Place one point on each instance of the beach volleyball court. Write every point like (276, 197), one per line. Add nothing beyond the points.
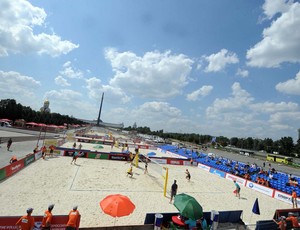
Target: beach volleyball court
(57, 181)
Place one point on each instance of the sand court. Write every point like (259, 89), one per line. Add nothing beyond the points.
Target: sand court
(57, 181)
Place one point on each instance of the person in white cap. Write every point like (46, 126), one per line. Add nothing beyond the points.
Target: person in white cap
(74, 217)
(281, 223)
(26, 222)
(47, 219)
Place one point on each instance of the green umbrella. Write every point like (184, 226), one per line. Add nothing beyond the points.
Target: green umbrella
(188, 206)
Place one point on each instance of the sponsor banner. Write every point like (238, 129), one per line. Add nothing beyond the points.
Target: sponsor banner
(174, 162)
(152, 148)
(58, 222)
(204, 167)
(14, 167)
(239, 180)
(188, 163)
(118, 157)
(38, 155)
(217, 172)
(29, 159)
(143, 146)
(159, 160)
(98, 155)
(70, 153)
(260, 188)
(2, 174)
(284, 197)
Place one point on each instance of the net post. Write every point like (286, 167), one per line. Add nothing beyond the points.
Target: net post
(166, 181)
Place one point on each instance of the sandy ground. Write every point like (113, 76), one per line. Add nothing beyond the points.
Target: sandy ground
(56, 181)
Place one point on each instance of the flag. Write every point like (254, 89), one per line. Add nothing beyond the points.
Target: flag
(255, 208)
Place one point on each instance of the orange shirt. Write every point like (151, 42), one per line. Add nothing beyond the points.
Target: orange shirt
(26, 222)
(294, 195)
(294, 221)
(73, 218)
(47, 219)
(282, 225)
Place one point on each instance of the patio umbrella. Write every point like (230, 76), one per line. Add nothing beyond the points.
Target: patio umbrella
(31, 123)
(117, 205)
(151, 154)
(188, 206)
(41, 125)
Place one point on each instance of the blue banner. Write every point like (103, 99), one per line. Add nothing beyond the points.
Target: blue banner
(217, 172)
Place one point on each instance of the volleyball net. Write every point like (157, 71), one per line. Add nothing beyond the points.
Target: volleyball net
(158, 172)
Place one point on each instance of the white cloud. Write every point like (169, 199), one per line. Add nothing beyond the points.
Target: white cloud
(291, 86)
(17, 21)
(280, 41)
(70, 72)
(147, 76)
(59, 80)
(218, 61)
(272, 7)
(271, 107)
(13, 83)
(72, 103)
(201, 92)
(67, 95)
(114, 95)
(241, 98)
(242, 72)
(240, 116)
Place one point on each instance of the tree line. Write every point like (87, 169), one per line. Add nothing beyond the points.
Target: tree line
(10, 109)
(284, 146)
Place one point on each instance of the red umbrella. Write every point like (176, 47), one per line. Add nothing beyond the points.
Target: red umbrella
(41, 125)
(117, 205)
(31, 123)
(5, 119)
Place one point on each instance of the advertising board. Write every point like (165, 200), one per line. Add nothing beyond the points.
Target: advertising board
(217, 172)
(260, 188)
(239, 180)
(204, 167)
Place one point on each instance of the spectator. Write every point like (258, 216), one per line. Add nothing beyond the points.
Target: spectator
(73, 221)
(13, 159)
(44, 150)
(294, 199)
(282, 223)
(292, 217)
(27, 221)
(47, 219)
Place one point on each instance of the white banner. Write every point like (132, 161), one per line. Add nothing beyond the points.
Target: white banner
(260, 188)
(204, 167)
(284, 197)
(236, 178)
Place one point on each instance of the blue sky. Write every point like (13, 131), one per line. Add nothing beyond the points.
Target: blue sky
(218, 67)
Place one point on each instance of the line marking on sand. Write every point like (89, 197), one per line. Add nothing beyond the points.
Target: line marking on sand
(74, 178)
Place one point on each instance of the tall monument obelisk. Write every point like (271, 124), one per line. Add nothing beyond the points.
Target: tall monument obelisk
(98, 120)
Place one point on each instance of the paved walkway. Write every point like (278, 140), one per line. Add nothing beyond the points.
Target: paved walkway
(24, 141)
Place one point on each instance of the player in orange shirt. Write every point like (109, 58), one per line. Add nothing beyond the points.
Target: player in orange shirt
(74, 217)
(26, 222)
(294, 199)
(46, 222)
